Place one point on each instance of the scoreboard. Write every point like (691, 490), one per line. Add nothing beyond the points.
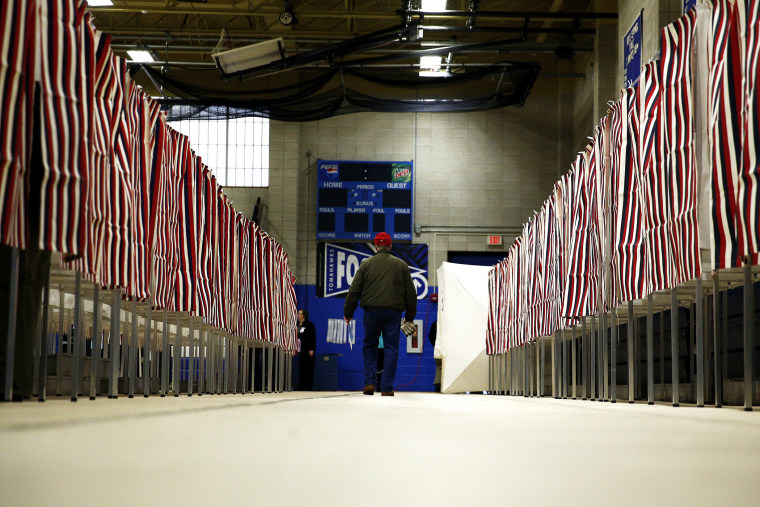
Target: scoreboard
(356, 200)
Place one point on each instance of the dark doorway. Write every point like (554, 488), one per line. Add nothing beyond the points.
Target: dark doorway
(476, 258)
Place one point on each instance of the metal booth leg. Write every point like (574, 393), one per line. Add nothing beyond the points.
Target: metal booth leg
(133, 345)
(592, 361)
(749, 336)
(202, 361)
(605, 356)
(613, 357)
(42, 371)
(584, 356)
(115, 337)
(191, 357)
(629, 339)
(700, 344)
(177, 358)
(96, 338)
(165, 356)
(650, 349)
(79, 338)
(716, 342)
(574, 362)
(10, 350)
(147, 351)
(674, 336)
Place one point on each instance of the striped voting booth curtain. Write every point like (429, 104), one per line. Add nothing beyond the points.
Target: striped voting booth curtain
(111, 193)
(627, 237)
(18, 26)
(672, 168)
(725, 133)
(165, 203)
(565, 211)
(749, 181)
(245, 299)
(510, 330)
(124, 197)
(655, 195)
(144, 137)
(205, 196)
(66, 107)
(546, 314)
(581, 285)
(677, 127)
(185, 227)
(494, 307)
(527, 290)
(599, 163)
(527, 268)
(620, 200)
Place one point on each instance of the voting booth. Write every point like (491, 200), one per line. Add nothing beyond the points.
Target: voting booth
(462, 321)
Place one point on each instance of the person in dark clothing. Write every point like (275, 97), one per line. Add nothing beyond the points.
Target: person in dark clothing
(308, 337)
(384, 285)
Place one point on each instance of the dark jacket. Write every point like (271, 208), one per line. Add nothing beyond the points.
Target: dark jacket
(382, 282)
(308, 336)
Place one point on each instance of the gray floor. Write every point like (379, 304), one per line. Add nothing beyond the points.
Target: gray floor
(349, 449)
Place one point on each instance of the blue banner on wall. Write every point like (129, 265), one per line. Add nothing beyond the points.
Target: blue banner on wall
(688, 5)
(632, 53)
(337, 265)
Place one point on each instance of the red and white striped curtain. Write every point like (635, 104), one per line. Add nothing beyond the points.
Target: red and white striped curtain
(18, 26)
(122, 195)
(672, 172)
(749, 181)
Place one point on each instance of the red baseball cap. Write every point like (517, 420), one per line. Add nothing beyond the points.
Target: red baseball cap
(383, 239)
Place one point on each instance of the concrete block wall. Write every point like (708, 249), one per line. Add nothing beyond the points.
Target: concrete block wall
(602, 80)
(281, 210)
(479, 169)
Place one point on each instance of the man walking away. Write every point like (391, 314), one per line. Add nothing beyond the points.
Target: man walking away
(384, 285)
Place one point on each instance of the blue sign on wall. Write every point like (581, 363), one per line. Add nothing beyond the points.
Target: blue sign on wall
(415, 372)
(337, 265)
(356, 200)
(632, 53)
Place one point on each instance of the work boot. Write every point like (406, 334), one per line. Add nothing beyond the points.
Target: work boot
(387, 393)
(369, 389)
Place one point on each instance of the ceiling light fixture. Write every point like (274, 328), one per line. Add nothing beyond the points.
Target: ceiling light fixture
(249, 57)
(100, 3)
(430, 62)
(433, 5)
(430, 66)
(140, 56)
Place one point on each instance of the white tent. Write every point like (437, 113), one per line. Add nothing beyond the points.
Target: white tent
(462, 321)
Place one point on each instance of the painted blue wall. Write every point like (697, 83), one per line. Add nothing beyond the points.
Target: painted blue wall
(415, 372)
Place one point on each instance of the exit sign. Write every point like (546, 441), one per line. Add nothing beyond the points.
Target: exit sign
(494, 240)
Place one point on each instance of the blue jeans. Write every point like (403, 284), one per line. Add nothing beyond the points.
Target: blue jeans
(387, 322)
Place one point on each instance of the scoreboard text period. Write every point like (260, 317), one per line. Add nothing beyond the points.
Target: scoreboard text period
(356, 200)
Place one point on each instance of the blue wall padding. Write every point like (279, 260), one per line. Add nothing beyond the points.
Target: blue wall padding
(417, 370)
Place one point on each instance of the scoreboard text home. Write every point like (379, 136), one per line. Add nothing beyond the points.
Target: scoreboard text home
(356, 200)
